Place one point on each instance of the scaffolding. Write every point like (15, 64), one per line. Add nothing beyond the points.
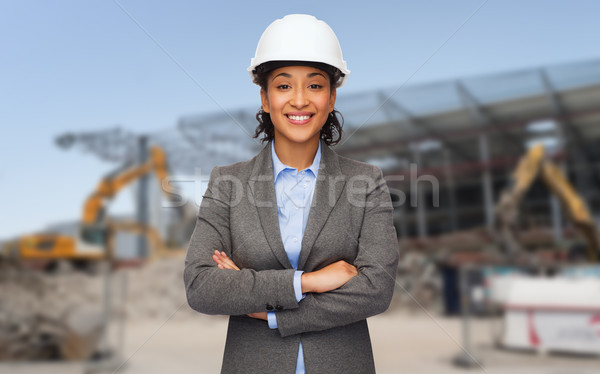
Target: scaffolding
(462, 138)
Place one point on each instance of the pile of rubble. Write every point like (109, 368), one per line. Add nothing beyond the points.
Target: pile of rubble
(61, 315)
(49, 316)
(156, 290)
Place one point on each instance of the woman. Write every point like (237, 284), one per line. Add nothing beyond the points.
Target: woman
(297, 244)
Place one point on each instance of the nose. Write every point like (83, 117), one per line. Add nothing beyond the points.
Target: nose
(300, 98)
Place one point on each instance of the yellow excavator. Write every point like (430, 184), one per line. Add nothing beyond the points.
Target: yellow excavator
(95, 226)
(96, 237)
(507, 209)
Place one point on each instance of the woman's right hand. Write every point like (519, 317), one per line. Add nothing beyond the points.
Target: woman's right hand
(329, 278)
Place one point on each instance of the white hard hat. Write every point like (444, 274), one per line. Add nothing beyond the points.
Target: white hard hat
(300, 38)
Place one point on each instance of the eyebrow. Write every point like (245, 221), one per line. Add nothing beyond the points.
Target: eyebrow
(286, 75)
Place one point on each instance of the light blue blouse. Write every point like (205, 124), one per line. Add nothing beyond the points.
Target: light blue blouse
(294, 191)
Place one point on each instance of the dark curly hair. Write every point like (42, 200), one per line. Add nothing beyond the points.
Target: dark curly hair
(331, 132)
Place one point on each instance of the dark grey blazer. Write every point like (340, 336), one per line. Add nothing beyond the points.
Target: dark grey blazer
(350, 219)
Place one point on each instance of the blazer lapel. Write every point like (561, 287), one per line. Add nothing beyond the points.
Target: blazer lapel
(328, 188)
(262, 186)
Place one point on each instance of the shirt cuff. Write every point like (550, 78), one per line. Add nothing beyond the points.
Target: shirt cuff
(298, 285)
(272, 320)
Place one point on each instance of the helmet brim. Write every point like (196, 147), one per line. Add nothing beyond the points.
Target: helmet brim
(334, 73)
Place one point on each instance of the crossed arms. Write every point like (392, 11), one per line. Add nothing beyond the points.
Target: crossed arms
(336, 295)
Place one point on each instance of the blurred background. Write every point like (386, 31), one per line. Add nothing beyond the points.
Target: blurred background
(483, 115)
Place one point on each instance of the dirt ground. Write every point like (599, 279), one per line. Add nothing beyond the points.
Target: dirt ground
(402, 343)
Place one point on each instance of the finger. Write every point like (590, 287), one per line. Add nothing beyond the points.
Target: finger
(228, 261)
(258, 315)
(221, 258)
(217, 259)
(224, 264)
(231, 264)
(224, 257)
(216, 256)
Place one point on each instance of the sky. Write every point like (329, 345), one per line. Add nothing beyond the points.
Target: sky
(76, 66)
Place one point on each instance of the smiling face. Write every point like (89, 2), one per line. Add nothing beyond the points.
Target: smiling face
(298, 99)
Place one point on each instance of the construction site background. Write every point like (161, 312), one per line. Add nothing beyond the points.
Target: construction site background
(489, 140)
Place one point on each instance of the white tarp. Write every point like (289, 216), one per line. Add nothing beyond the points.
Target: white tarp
(557, 314)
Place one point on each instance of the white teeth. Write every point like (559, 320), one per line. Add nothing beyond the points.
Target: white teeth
(298, 118)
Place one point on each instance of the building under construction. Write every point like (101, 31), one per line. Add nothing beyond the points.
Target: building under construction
(469, 134)
(446, 148)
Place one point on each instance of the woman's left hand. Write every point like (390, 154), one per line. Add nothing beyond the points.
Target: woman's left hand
(224, 262)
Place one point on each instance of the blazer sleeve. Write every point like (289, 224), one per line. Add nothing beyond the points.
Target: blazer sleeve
(211, 290)
(366, 294)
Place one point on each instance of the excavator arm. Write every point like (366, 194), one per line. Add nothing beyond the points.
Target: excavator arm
(575, 207)
(109, 186)
(507, 209)
(97, 232)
